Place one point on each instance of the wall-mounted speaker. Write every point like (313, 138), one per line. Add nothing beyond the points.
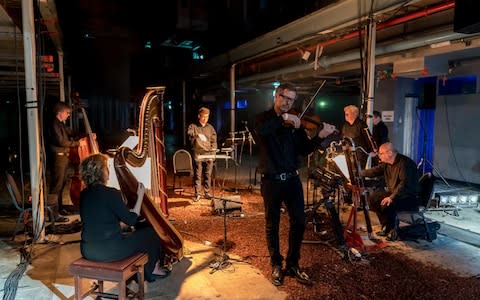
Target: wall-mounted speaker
(466, 18)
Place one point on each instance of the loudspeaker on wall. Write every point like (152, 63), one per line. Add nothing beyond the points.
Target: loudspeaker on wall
(466, 17)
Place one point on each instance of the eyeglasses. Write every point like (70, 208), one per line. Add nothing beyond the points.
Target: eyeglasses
(287, 98)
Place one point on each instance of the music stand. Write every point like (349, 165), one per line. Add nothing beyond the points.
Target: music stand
(223, 262)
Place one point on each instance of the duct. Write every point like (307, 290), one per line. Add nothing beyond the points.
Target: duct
(396, 21)
(345, 12)
(325, 62)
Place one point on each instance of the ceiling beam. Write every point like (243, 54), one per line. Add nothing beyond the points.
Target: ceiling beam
(338, 14)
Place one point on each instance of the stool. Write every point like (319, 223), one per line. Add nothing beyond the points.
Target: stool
(117, 271)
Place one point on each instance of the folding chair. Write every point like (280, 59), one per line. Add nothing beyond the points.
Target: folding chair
(182, 166)
(25, 211)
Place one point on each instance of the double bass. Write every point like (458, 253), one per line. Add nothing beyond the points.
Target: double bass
(88, 145)
(150, 143)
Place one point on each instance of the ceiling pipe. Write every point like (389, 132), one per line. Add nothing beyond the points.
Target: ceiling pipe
(396, 21)
(346, 13)
(325, 62)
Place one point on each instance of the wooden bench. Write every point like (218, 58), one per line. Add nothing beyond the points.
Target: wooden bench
(117, 271)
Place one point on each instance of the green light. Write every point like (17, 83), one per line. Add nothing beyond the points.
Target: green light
(322, 104)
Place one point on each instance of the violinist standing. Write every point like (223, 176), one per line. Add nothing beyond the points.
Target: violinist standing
(282, 141)
(60, 139)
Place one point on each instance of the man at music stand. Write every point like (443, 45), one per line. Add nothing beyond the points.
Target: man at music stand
(203, 139)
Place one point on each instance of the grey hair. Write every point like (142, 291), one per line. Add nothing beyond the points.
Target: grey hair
(352, 108)
(92, 169)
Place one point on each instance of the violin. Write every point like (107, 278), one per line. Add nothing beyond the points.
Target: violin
(309, 122)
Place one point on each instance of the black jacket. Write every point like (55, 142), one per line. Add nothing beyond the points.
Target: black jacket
(60, 137)
(401, 177)
(281, 146)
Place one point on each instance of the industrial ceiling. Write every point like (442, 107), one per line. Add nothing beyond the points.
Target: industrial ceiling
(413, 38)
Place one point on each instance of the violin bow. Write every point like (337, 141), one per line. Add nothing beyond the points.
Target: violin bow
(312, 99)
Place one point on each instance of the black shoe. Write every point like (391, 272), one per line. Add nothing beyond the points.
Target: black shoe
(196, 198)
(301, 276)
(61, 219)
(65, 212)
(277, 275)
(208, 196)
(384, 232)
(392, 235)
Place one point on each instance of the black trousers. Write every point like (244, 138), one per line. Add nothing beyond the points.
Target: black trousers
(58, 177)
(290, 192)
(387, 214)
(203, 175)
(143, 240)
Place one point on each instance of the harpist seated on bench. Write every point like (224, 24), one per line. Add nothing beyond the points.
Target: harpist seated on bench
(102, 211)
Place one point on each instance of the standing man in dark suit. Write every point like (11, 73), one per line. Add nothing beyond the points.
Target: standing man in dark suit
(203, 139)
(354, 128)
(282, 141)
(380, 130)
(60, 139)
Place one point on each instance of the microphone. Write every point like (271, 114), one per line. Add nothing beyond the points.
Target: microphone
(420, 163)
(245, 125)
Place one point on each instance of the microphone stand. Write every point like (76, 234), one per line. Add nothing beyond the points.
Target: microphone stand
(250, 142)
(223, 261)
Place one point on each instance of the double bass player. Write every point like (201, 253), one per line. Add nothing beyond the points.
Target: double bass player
(60, 140)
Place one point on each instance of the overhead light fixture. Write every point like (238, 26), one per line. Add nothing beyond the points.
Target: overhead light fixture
(439, 45)
(306, 55)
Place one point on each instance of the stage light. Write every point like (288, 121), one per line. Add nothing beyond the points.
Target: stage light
(443, 200)
(473, 199)
(453, 199)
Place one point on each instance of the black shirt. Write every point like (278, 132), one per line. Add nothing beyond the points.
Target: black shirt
(356, 131)
(401, 177)
(280, 146)
(60, 137)
(101, 210)
(380, 133)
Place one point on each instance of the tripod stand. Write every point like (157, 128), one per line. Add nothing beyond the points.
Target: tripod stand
(328, 201)
(223, 262)
(423, 160)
